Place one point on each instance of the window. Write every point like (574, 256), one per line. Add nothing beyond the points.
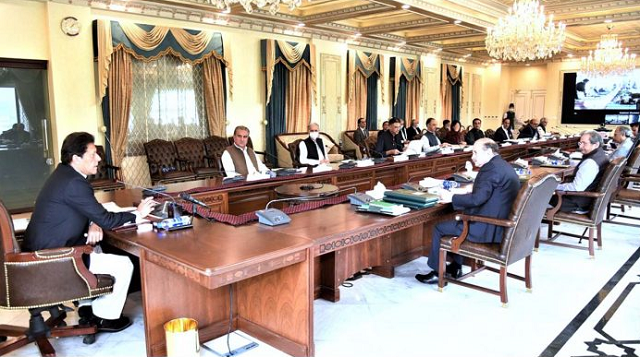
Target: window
(167, 103)
(8, 110)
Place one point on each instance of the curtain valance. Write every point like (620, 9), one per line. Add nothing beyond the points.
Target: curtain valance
(453, 73)
(291, 55)
(409, 68)
(366, 63)
(148, 43)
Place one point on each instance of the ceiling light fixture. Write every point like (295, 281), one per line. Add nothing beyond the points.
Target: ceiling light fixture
(609, 58)
(274, 5)
(301, 24)
(525, 34)
(457, 22)
(406, 6)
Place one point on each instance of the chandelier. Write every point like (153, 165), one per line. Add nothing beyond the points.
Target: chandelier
(248, 4)
(525, 34)
(609, 58)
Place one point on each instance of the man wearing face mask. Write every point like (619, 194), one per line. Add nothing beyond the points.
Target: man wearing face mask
(312, 148)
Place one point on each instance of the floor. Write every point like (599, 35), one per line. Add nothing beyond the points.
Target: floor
(578, 307)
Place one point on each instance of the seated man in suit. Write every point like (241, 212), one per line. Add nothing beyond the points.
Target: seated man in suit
(67, 214)
(530, 130)
(542, 127)
(385, 127)
(413, 130)
(403, 131)
(239, 159)
(494, 191)
(361, 134)
(622, 137)
(390, 141)
(587, 174)
(503, 133)
(312, 151)
(475, 133)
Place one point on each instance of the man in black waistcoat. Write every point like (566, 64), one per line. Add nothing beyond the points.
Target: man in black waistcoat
(587, 174)
(67, 214)
(475, 133)
(413, 130)
(494, 191)
(312, 151)
(390, 141)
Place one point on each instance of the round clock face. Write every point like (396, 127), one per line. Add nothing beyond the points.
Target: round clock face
(70, 26)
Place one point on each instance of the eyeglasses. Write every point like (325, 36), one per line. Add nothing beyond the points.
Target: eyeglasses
(313, 131)
(580, 143)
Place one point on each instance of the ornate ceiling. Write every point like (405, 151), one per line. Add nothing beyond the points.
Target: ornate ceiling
(454, 28)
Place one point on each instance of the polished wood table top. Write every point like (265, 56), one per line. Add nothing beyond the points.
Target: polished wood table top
(306, 190)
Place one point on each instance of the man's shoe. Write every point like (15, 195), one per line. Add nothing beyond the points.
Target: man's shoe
(116, 325)
(454, 270)
(427, 278)
(85, 314)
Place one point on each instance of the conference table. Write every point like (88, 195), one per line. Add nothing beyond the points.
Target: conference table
(267, 277)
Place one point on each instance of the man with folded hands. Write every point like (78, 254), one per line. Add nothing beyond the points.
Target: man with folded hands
(67, 214)
(587, 174)
(494, 191)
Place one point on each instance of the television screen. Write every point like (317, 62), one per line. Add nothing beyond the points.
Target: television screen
(601, 99)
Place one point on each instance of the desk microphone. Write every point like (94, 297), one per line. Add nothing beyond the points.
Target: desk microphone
(187, 197)
(164, 212)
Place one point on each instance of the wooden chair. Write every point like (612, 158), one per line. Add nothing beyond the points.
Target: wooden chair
(521, 229)
(591, 220)
(626, 194)
(192, 152)
(108, 177)
(42, 281)
(164, 164)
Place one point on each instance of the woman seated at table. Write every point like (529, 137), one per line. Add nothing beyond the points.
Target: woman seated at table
(455, 136)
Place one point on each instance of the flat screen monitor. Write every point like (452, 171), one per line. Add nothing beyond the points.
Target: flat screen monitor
(601, 99)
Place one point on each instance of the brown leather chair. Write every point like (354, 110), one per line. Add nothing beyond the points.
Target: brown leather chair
(164, 164)
(592, 219)
(626, 194)
(108, 176)
(521, 229)
(192, 152)
(489, 133)
(42, 281)
(215, 146)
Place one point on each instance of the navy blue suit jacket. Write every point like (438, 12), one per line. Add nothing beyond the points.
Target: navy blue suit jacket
(64, 207)
(494, 190)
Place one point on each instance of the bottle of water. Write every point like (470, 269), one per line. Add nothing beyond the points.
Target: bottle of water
(448, 185)
(175, 222)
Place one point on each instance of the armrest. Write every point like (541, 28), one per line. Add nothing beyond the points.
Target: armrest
(631, 178)
(483, 219)
(56, 254)
(580, 194)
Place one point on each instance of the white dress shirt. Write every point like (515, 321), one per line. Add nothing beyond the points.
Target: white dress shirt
(426, 147)
(230, 168)
(303, 154)
(587, 172)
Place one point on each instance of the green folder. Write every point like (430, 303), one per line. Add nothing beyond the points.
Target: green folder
(405, 195)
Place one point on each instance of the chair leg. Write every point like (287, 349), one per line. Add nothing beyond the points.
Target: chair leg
(550, 230)
(503, 286)
(537, 243)
(527, 272)
(608, 211)
(591, 252)
(599, 232)
(441, 269)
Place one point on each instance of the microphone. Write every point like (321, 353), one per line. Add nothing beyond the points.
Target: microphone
(164, 211)
(187, 197)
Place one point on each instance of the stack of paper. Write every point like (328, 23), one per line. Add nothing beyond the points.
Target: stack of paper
(322, 168)
(364, 163)
(383, 207)
(410, 198)
(258, 176)
(401, 157)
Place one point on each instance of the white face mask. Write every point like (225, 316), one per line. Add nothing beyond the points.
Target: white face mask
(314, 135)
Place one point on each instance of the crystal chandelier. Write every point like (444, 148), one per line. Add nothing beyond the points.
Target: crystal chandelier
(609, 58)
(248, 4)
(525, 34)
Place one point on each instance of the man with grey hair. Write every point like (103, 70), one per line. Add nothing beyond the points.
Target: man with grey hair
(622, 137)
(311, 149)
(587, 174)
(494, 191)
(239, 159)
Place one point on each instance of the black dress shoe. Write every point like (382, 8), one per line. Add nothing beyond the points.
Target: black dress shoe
(85, 313)
(427, 278)
(454, 270)
(116, 325)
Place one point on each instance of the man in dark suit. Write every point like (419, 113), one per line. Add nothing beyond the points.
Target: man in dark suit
(361, 134)
(67, 214)
(390, 141)
(475, 133)
(385, 127)
(530, 130)
(413, 130)
(494, 190)
(503, 133)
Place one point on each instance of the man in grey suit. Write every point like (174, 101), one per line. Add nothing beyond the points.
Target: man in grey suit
(361, 134)
(494, 190)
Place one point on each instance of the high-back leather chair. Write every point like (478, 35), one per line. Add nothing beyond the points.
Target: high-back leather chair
(164, 164)
(191, 151)
(519, 237)
(41, 281)
(591, 220)
(626, 194)
(489, 133)
(107, 178)
(215, 146)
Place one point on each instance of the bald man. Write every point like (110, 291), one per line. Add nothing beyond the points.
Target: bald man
(530, 130)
